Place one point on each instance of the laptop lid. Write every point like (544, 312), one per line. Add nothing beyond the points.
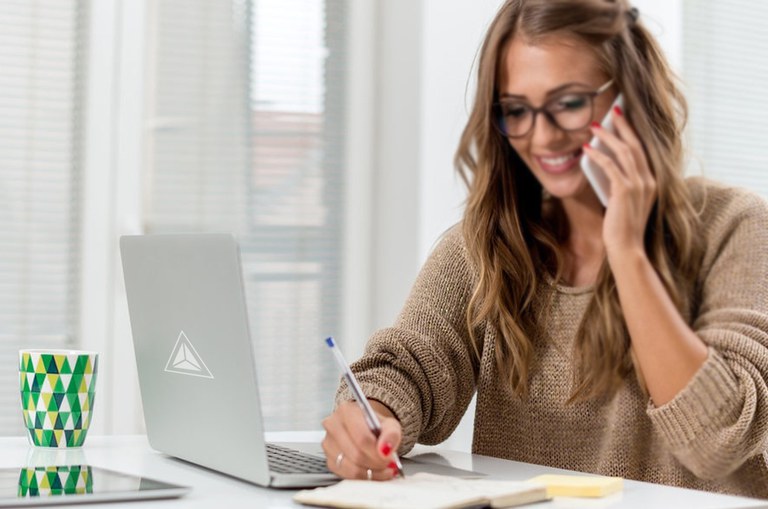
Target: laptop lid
(194, 355)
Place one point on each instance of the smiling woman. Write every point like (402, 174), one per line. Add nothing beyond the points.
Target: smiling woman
(628, 339)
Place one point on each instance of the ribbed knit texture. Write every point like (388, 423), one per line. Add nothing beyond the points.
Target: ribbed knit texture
(711, 436)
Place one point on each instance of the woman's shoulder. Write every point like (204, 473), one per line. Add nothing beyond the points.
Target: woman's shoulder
(731, 220)
(454, 235)
(720, 205)
(450, 248)
(451, 241)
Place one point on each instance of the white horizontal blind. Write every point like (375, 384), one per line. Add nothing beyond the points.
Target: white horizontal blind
(725, 68)
(246, 136)
(41, 55)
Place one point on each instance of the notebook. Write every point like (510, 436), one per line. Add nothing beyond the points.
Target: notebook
(424, 491)
(195, 360)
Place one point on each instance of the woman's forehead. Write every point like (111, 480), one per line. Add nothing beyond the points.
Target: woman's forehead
(531, 69)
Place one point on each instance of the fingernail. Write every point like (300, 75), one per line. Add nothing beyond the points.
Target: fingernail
(595, 125)
(392, 465)
(587, 145)
(617, 109)
(386, 448)
(394, 471)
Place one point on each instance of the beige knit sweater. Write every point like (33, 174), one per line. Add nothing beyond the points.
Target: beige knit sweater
(712, 435)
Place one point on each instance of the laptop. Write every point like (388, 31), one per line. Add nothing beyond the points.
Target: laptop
(195, 360)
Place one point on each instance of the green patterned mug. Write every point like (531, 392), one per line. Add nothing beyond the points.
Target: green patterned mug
(57, 393)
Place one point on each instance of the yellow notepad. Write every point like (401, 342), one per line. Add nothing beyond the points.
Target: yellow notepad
(424, 491)
(579, 486)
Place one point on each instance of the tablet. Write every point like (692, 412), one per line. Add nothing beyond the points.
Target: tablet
(78, 484)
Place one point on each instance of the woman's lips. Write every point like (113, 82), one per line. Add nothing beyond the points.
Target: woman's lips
(559, 163)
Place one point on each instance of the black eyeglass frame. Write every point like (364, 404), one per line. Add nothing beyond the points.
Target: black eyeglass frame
(500, 125)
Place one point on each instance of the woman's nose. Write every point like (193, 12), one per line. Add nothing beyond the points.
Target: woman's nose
(545, 131)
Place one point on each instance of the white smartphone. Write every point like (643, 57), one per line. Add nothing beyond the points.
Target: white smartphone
(594, 173)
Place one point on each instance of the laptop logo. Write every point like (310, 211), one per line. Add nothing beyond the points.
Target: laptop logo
(185, 360)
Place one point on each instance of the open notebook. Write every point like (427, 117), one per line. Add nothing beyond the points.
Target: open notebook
(424, 491)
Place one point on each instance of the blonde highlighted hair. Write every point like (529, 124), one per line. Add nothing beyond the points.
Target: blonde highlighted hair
(515, 246)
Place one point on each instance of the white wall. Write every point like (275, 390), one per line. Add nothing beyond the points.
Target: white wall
(114, 108)
(398, 114)
(664, 18)
(452, 33)
(424, 58)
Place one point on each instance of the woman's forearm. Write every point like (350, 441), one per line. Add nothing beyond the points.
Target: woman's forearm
(668, 351)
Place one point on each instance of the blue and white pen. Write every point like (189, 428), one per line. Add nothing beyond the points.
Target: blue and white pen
(357, 392)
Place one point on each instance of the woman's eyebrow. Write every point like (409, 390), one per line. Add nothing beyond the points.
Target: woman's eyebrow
(549, 93)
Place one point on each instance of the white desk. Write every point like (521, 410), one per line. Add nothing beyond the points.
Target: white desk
(132, 454)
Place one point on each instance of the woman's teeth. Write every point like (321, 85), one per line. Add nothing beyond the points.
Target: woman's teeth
(555, 161)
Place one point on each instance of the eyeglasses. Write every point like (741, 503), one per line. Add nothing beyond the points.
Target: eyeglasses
(570, 111)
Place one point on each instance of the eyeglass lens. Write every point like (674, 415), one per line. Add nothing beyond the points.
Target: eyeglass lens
(569, 112)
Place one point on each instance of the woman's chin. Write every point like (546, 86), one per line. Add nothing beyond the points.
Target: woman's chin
(577, 189)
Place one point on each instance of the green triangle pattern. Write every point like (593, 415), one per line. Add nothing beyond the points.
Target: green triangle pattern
(55, 480)
(82, 364)
(57, 397)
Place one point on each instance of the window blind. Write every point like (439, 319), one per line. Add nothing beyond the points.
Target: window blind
(40, 117)
(726, 70)
(246, 135)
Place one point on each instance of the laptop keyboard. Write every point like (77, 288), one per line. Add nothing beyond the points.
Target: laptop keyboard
(290, 461)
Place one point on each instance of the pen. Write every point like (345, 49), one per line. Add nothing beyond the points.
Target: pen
(370, 416)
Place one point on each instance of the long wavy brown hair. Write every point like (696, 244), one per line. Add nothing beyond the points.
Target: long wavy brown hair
(515, 246)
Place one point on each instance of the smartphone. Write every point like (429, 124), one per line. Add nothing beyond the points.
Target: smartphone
(594, 173)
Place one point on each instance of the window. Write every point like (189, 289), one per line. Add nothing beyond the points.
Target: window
(40, 107)
(246, 136)
(726, 72)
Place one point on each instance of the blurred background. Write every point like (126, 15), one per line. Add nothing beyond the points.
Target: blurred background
(320, 132)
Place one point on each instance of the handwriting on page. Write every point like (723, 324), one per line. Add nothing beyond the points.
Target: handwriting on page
(421, 491)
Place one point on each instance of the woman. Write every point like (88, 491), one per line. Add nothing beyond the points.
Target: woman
(627, 340)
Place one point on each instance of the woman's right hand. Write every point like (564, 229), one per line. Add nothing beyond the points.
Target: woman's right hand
(352, 450)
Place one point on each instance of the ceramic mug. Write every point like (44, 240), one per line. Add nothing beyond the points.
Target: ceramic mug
(57, 394)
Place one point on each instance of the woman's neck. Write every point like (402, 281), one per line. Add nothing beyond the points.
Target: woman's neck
(583, 247)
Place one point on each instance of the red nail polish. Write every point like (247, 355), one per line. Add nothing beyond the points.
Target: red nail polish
(587, 145)
(386, 448)
(595, 125)
(392, 466)
(617, 109)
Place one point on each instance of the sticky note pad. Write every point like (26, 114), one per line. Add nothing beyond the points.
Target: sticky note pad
(579, 486)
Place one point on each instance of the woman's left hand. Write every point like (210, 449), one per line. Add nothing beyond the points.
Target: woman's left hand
(633, 187)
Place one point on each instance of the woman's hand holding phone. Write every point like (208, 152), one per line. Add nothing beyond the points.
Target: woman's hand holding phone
(594, 173)
(631, 182)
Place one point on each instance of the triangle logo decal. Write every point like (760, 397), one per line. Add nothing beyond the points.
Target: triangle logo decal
(185, 360)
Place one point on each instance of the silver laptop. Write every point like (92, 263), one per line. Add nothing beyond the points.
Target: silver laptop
(195, 360)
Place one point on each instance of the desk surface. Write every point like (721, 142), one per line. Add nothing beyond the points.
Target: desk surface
(132, 454)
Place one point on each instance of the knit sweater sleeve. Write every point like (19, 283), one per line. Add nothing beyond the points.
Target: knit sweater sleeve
(423, 367)
(720, 419)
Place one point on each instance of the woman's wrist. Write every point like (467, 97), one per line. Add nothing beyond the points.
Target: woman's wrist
(381, 409)
(627, 259)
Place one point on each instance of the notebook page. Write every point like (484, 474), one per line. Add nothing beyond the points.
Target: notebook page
(421, 491)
